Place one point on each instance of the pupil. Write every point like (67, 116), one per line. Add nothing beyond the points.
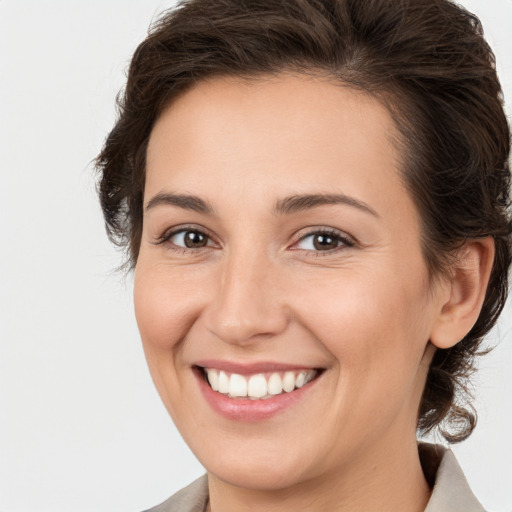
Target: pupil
(323, 242)
(194, 240)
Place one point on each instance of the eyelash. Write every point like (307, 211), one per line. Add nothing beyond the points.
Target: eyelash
(165, 238)
(343, 240)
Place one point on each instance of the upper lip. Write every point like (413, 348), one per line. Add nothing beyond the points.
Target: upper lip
(248, 368)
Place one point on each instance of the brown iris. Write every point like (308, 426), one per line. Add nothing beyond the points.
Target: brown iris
(195, 240)
(324, 242)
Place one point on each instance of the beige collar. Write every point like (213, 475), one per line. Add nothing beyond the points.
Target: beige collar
(451, 492)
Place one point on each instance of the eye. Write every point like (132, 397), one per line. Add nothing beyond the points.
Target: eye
(188, 239)
(323, 241)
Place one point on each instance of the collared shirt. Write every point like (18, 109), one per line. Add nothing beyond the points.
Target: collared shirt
(450, 490)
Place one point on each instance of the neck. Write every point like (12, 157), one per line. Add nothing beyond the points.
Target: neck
(385, 477)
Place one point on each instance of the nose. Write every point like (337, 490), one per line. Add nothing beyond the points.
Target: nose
(248, 304)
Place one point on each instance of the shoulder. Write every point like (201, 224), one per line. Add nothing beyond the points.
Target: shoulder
(192, 498)
(451, 491)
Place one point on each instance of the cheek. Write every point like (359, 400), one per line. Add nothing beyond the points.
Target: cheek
(165, 306)
(374, 324)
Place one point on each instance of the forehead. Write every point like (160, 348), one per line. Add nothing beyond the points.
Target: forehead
(290, 131)
(285, 105)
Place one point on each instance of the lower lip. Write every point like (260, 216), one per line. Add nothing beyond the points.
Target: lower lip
(246, 410)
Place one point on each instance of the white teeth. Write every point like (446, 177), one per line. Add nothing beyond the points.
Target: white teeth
(257, 386)
(213, 379)
(237, 385)
(310, 375)
(275, 384)
(289, 381)
(223, 383)
(300, 380)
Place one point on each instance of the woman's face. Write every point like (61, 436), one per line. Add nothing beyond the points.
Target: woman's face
(280, 245)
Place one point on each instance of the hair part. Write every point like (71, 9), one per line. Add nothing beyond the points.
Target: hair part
(425, 60)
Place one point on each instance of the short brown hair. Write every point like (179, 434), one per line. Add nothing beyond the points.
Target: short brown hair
(426, 60)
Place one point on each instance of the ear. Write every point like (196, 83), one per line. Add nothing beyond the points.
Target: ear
(463, 293)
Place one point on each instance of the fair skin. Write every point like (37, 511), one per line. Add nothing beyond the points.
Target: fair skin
(234, 271)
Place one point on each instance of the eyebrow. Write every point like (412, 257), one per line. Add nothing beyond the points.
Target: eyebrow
(297, 203)
(286, 206)
(185, 201)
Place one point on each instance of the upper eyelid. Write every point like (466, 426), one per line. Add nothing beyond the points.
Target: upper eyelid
(170, 232)
(324, 230)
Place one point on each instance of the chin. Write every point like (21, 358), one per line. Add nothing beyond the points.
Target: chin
(257, 475)
(255, 462)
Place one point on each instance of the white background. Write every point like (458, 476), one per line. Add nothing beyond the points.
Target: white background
(81, 427)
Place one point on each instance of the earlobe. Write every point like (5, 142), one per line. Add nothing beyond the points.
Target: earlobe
(462, 301)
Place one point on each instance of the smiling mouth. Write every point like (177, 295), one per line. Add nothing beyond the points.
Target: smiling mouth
(257, 386)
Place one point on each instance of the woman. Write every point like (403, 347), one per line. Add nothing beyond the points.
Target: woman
(314, 196)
